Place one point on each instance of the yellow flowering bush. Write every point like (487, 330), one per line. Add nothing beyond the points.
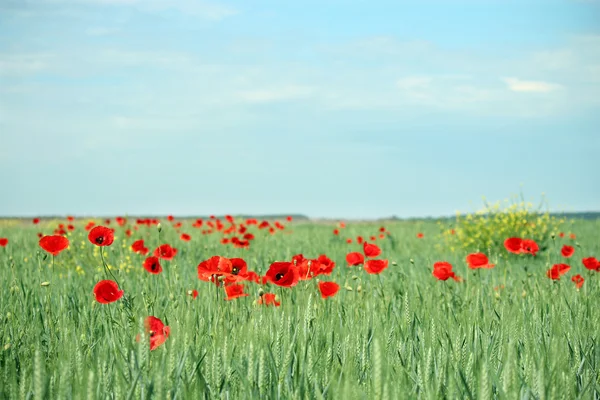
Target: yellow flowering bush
(487, 228)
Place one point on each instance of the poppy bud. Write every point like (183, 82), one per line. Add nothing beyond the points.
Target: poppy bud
(553, 235)
(159, 227)
(220, 278)
(354, 277)
(524, 293)
(45, 283)
(412, 261)
(8, 315)
(7, 346)
(394, 263)
(348, 288)
(261, 292)
(359, 289)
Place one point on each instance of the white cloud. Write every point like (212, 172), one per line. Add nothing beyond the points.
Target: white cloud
(196, 8)
(276, 94)
(101, 31)
(414, 82)
(24, 63)
(518, 85)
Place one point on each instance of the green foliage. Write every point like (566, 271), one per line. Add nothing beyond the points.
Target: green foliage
(489, 227)
(404, 336)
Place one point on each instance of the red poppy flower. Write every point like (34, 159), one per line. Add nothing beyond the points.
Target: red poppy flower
(177, 225)
(336, 232)
(478, 260)
(442, 270)
(302, 266)
(121, 221)
(349, 241)
(529, 246)
(235, 291)
(420, 235)
(557, 271)
(193, 293)
(572, 236)
(101, 236)
(373, 238)
(375, 266)
(170, 218)
(578, 280)
(355, 259)
(165, 251)
(40, 235)
(157, 331)
(359, 239)
(513, 245)
(185, 237)
(107, 292)
(328, 289)
(70, 218)
(107, 221)
(567, 251)
(239, 272)
(238, 266)
(138, 247)
(282, 274)
(264, 224)
(591, 263)
(3, 242)
(289, 219)
(36, 221)
(382, 229)
(215, 266)
(89, 225)
(152, 265)
(269, 299)
(562, 235)
(382, 236)
(54, 244)
(371, 250)
(322, 266)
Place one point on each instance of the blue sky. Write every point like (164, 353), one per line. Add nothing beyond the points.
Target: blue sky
(344, 109)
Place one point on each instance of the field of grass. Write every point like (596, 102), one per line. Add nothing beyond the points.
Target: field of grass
(507, 332)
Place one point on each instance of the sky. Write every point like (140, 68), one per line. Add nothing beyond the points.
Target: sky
(328, 108)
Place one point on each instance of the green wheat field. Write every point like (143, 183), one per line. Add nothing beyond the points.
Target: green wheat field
(502, 333)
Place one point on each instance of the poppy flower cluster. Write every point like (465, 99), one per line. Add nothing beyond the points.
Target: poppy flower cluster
(370, 266)
(228, 271)
(557, 271)
(521, 246)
